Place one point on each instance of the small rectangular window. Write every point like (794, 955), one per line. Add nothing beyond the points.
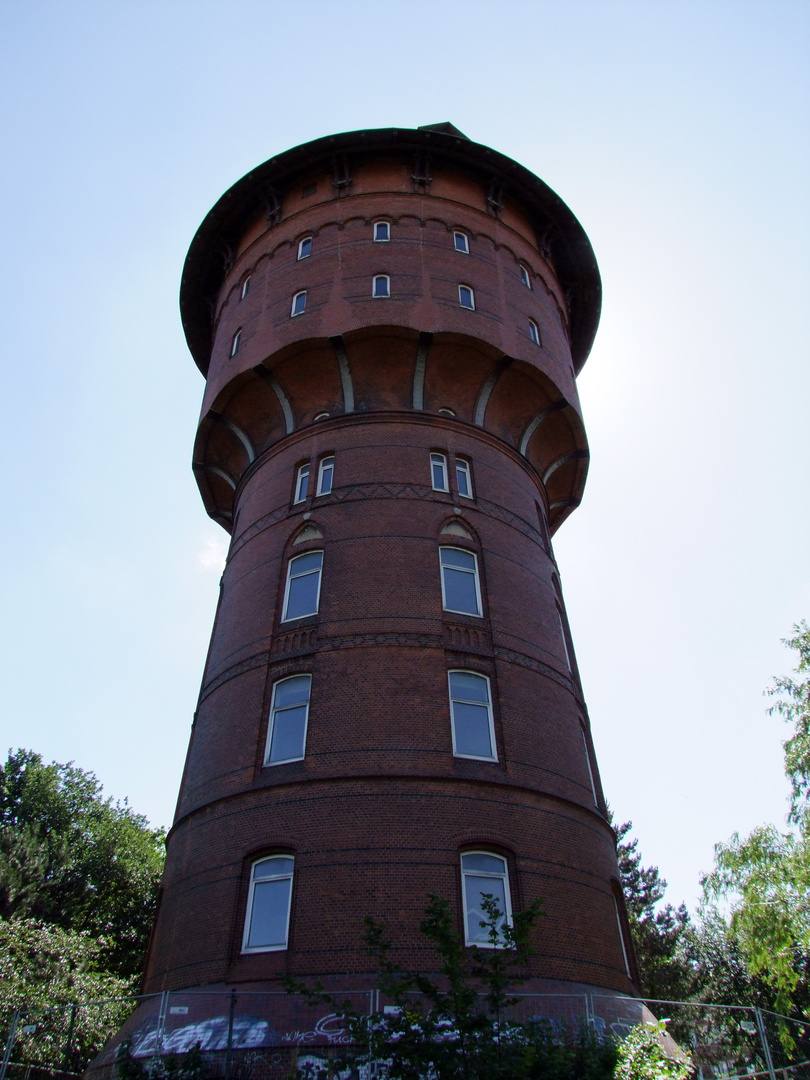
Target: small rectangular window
(382, 286)
(237, 337)
(305, 247)
(382, 230)
(245, 288)
(299, 303)
(267, 919)
(483, 874)
(301, 483)
(534, 332)
(461, 243)
(303, 591)
(438, 472)
(466, 297)
(460, 589)
(471, 716)
(463, 478)
(308, 189)
(524, 276)
(326, 471)
(287, 727)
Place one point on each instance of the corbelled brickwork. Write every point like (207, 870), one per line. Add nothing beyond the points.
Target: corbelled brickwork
(382, 802)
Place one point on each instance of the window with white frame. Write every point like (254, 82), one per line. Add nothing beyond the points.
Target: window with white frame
(303, 591)
(525, 276)
(588, 762)
(463, 478)
(245, 288)
(381, 286)
(484, 875)
(299, 303)
(301, 483)
(534, 331)
(625, 957)
(267, 920)
(237, 337)
(305, 247)
(461, 242)
(564, 637)
(460, 589)
(471, 716)
(382, 230)
(326, 472)
(287, 728)
(438, 472)
(466, 297)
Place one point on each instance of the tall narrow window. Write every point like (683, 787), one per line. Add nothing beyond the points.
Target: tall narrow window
(267, 919)
(438, 472)
(564, 637)
(303, 591)
(245, 288)
(287, 729)
(461, 243)
(484, 874)
(621, 938)
(326, 471)
(590, 769)
(471, 716)
(382, 230)
(299, 303)
(237, 337)
(301, 483)
(463, 478)
(305, 247)
(466, 297)
(534, 331)
(381, 286)
(460, 589)
(524, 276)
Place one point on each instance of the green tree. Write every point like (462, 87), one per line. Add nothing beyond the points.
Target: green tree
(74, 859)
(764, 879)
(642, 1056)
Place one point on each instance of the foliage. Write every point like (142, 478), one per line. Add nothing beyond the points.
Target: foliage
(190, 1066)
(72, 858)
(642, 1057)
(457, 1027)
(765, 877)
(43, 969)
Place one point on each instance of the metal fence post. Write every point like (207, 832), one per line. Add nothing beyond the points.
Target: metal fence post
(763, 1038)
(74, 1008)
(161, 1025)
(230, 1036)
(9, 1043)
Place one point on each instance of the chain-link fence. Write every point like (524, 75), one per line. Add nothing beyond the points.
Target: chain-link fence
(266, 1036)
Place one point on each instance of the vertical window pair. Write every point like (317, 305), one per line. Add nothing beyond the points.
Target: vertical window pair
(326, 473)
(439, 475)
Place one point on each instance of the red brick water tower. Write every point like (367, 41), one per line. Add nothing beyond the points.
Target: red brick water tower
(390, 323)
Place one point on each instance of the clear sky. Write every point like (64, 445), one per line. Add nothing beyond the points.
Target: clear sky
(677, 133)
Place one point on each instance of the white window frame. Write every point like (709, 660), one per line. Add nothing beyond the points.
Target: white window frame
(381, 296)
(464, 247)
(274, 710)
(301, 253)
(452, 547)
(301, 483)
(463, 468)
(439, 461)
(525, 276)
(326, 466)
(382, 239)
(235, 341)
(468, 701)
(564, 636)
(495, 877)
(621, 938)
(293, 312)
(471, 291)
(286, 876)
(590, 767)
(291, 576)
(245, 288)
(534, 331)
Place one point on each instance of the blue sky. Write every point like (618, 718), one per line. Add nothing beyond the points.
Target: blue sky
(677, 133)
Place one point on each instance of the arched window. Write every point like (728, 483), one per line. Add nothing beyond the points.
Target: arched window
(287, 727)
(484, 874)
(245, 288)
(525, 276)
(381, 286)
(460, 589)
(461, 242)
(382, 231)
(466, 297)
(303, 590)
(534, 331)
(438, 472)
(464, 478)
(299, 303)
(267, 919)
(305, 247)
(471, 716)
(237, 337)
(326, 473)
(301, 483)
